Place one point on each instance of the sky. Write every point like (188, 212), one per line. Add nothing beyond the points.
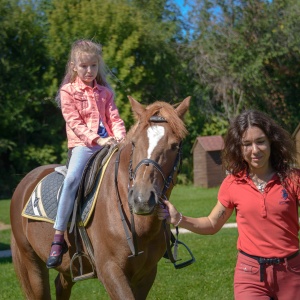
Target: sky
(180, 3)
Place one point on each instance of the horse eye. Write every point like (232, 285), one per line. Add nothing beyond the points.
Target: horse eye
(175, 146)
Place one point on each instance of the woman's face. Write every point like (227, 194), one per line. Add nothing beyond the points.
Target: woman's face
(256, 149)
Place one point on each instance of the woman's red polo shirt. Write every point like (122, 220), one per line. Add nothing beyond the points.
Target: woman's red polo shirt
(267, 222)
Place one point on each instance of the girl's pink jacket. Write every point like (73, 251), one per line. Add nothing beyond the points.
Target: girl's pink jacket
(83, 107)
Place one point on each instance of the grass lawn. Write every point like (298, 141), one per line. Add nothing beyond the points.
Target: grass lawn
(209, 278)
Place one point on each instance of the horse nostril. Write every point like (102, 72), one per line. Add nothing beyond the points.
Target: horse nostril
(130, 193)
(152, 199)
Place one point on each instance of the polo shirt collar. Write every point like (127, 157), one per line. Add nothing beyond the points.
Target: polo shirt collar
(243, 176)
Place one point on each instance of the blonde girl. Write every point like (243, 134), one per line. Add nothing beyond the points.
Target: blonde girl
(92, 121)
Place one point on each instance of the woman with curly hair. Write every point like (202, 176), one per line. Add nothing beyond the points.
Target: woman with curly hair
(263, 187)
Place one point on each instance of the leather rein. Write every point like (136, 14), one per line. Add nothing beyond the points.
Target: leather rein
(132, 239)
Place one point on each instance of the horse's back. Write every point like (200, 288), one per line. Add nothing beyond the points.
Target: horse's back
(26, 186)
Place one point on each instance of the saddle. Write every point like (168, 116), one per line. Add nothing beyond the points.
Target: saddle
(91, 171)
(92, 168)
(89, 178)
(43, 202)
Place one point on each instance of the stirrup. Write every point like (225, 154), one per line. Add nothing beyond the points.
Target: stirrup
(185, 263)
(81, 276)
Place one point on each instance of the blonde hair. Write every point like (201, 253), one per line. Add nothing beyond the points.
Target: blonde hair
(79, 47)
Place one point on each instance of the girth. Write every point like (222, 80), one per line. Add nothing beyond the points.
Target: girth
(268, 261)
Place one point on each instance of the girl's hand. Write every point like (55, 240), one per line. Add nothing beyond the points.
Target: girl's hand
(169, 212)
(106, 141)
(119, 140)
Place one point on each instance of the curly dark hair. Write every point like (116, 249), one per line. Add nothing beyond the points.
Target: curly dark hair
(283, 148)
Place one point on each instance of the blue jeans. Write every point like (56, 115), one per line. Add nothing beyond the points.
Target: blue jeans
(79, 158)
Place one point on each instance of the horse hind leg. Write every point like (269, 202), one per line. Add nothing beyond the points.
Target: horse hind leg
(33, 277)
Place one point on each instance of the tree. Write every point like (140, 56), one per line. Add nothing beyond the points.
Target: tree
(138, 39)
(140, 42)
(246, 53)
(27, 118)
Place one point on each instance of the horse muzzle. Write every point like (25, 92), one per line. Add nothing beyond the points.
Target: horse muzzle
(143, 200)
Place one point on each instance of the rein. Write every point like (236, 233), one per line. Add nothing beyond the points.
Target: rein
(132, 242)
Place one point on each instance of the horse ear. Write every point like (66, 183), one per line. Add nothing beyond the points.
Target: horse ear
(137, 107)
(182, 108)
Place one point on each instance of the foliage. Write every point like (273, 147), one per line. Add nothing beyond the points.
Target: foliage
(247, 55)
(36, 39)
(27, 119)
(228, 55)
(136, 38)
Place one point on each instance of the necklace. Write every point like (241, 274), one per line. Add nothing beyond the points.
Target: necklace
(259, 184)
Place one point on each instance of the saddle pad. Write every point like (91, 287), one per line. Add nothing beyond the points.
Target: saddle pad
(43, 202)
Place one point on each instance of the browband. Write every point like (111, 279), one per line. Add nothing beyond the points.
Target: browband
(157, 119)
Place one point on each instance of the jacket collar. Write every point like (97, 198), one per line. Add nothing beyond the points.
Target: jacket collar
(80, 85)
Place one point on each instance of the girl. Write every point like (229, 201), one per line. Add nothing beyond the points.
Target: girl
(264, 190)
(92, 121)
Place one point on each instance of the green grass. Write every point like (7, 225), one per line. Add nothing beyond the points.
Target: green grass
(194, 201)
(4, 239)
(4, 211)
(209, 278)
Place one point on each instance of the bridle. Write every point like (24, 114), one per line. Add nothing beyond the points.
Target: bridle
(132, 239)
(147, 162)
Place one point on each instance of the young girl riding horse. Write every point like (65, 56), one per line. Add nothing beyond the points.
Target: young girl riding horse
(92, 121)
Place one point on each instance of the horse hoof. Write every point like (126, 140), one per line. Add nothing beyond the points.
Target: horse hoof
(55, 261)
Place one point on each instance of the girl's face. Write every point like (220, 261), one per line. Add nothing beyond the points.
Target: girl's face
(86, 67)
(256, 150)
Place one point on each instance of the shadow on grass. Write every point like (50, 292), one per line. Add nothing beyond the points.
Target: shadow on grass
(5, 260)
(4, 246)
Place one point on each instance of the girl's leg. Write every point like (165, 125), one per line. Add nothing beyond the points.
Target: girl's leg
(79, 158)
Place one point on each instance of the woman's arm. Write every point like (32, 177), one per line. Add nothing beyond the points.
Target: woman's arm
(203, 225)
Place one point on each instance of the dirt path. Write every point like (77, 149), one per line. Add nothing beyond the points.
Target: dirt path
(4, 226)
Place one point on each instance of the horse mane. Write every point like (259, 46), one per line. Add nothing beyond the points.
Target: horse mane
(162, 109)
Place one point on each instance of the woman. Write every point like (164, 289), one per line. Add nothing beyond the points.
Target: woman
(264, 190)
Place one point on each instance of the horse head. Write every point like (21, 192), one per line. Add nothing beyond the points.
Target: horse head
(156, 153)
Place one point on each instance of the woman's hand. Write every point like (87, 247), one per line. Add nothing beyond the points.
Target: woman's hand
(169, 212)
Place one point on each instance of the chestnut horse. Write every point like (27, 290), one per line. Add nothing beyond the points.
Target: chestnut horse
(145, 173)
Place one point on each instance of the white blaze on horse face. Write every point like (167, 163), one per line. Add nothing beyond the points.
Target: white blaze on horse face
(154, 133)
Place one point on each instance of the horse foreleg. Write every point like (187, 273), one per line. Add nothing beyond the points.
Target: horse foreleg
(32, 273)
(63, 286)
(115, 282)
(142, 288)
